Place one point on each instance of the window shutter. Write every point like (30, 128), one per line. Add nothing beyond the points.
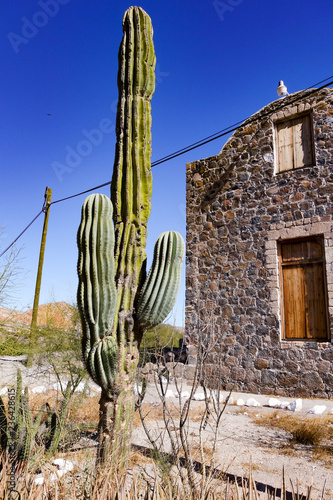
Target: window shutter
(298, 142)
(315, 298)
(295, 143)
(294, 305)
(307, 143)
(285, 146)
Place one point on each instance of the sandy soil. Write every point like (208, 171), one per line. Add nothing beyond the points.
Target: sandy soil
(242, 441)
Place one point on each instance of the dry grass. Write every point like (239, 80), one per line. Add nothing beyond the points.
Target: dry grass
(37, 400)
(207, 452)
(317, 431)
(155, 413)
(308, 432)
(312, 431)
(304, 430)
(136, 459)
(72, 485)
(83, 483)
(84, 410)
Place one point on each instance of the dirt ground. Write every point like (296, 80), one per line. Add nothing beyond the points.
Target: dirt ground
(242, 441)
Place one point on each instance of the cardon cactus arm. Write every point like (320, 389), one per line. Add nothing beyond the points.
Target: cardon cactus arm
(160, 289)
(97, 296)
(131, 186)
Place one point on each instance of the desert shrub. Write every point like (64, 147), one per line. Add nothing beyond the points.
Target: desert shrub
(14, 344)
(308, 432)
(304, 430)
(156, 339)
(162, 336)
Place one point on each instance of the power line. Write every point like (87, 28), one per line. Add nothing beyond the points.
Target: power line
(217, 135)
(195, 145)
(24, 230)
(237, 125)
(82, 192)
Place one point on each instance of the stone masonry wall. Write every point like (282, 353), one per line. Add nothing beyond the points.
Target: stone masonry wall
(238, 208)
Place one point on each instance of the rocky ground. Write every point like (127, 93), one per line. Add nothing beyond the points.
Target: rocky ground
(241, 440)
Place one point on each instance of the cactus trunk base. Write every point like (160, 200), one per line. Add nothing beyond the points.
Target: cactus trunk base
(116, 411)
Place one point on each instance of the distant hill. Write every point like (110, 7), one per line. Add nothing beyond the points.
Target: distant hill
(53, 315)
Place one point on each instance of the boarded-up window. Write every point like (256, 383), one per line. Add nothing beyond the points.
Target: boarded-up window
(294, 143)
(303, 289)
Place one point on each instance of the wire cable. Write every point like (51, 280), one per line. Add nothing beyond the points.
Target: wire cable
(217, 135)
(19, 236)
(82, 192)
(232, 127)
(237, 125)
(194, 145)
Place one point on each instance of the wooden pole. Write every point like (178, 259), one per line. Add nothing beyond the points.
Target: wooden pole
(33, 326)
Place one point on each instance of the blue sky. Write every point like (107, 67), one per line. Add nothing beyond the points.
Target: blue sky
(217, 63)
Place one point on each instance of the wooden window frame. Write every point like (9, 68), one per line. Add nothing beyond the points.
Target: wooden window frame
(302, 263)
(293, 119)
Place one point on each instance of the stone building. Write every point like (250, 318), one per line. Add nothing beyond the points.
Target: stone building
(260, 251)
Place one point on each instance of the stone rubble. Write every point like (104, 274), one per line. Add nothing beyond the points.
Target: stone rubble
(317, 409)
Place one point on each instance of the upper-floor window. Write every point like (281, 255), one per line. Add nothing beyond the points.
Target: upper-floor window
(294, 143)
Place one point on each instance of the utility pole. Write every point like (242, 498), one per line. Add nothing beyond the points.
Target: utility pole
(33, 326)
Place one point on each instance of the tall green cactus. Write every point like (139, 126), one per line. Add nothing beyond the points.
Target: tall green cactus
(116, 300)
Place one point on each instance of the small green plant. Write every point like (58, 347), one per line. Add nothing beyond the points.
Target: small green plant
(50, 338)
(157, 339)
(55, 424)
(61, 350)
(20, 431)
(14, 344)
(162, 336)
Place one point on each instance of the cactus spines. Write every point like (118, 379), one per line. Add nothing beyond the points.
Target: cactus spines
(97, 297)
(159, 292)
